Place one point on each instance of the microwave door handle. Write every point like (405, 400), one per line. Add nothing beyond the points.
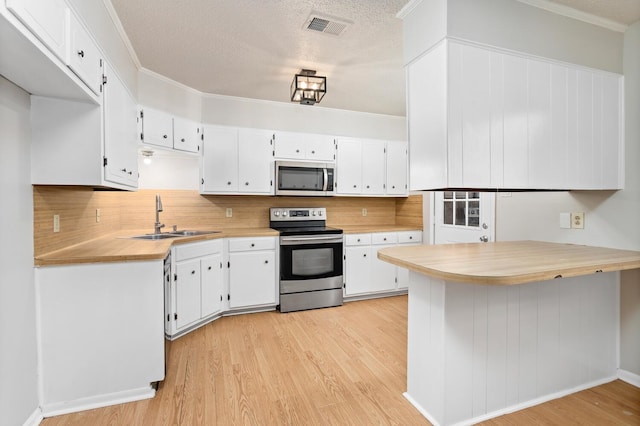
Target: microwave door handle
(326, 179)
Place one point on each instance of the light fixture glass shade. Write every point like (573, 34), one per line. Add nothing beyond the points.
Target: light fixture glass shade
(308, 88)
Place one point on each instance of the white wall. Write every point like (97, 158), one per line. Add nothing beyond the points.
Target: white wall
(611, 218)
(18, 355)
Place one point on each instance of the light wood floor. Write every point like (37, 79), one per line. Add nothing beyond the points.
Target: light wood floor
(338, 366)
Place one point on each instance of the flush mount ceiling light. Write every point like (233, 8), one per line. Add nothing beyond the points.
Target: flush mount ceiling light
(308, 88)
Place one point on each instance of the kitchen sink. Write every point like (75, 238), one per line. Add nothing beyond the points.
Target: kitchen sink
(173, 234)
(154, 236)
(188, 233)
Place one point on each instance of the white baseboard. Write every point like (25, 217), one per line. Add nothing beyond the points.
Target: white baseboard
(515, 407)
(35, 418)
(59, 408)
(629, 377)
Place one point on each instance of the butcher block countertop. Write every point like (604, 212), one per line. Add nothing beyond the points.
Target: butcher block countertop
(509, 262)
(119, 247)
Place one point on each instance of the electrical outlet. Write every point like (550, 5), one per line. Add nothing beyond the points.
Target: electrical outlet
(364, 212)
(229, 212)
(97, 215)
(56, 223)
(577, 220)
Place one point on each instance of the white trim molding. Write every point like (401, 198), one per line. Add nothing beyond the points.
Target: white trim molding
(570, 12)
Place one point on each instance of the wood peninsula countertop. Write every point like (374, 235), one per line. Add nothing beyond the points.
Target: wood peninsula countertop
(509, 262)
(120, 247)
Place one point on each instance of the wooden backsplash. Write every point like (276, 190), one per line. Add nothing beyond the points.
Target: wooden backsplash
(188, 209)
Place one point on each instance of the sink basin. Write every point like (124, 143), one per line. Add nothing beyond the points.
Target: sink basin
(155, 236)
(188, 233)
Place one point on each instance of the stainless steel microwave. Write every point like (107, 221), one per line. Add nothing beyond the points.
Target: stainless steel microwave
(305, 179)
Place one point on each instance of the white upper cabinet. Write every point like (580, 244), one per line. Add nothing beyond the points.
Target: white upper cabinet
(304, 146)
(396, 182)
(483, 118)
(78, 143)
(83, 56)
(237, 161)
(162, 129)
(47, 20)
(368, 167)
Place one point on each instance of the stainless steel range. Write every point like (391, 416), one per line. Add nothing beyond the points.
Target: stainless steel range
(310, 259)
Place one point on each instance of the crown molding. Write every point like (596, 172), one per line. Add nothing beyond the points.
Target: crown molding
(570, 12)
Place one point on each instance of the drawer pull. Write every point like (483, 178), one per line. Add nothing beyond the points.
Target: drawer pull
(266, 261)
(164, 136)
(209, 268)
(558, 276)
(253, 245)
(193, 272)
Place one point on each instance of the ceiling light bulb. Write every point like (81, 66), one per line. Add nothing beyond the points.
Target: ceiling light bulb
(147, 160)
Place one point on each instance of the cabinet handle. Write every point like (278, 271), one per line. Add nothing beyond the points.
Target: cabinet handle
(384, 239)
(164, 136)
(367, 186)
(393, 187)
(354, 186)
(411, 237)
(358, 239)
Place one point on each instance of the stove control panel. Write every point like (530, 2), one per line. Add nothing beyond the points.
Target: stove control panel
(297, 213)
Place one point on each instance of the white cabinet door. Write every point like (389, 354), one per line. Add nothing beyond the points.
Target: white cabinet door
(187, 292)
(47, 19)
(157, 128)
(383, 274)
(219, 170)
(357, 270)
(252, 278)
(349, 166)
(373, 158)
(255, 161)
(290, 145)
(186, 135)
(120, 128)
(212, 285)
(320, 147)
(83, 56)
(396, 168)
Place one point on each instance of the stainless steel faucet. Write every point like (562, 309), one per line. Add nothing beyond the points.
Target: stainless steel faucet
(158, 226)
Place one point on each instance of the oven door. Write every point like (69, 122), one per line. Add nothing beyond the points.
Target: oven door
(310, 262)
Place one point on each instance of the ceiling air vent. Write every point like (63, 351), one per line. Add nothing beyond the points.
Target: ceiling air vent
(326, 24)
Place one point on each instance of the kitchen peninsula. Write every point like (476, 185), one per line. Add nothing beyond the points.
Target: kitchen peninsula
(497, 327)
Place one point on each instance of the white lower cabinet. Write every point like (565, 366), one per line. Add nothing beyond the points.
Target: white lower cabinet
(252, 272)
(364, 272)
(196, 287)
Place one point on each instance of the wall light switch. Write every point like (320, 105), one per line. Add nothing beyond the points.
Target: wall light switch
(364, 212)
(577, 220)
(565, 220)
(56, 223)
(229, 212)
(97, 215)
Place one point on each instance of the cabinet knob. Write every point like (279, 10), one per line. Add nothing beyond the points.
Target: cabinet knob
(182, 140)
(393, 186)
(246, 183)
(367, 186)
(365, 255)
(411, 237)
(229, 183)
(164, 136)
(313, 152)
(358, 239)
(253, 245)
(266, 261)
(354, 186)
(193, 272)
(209, 268)
(384, 239)
(81, 53)
(130, 173)
(297, 151)
(123, 170)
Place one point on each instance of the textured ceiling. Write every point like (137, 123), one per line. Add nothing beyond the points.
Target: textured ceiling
(252, 48)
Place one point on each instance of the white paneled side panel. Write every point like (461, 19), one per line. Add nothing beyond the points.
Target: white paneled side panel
(612, 158)
(476, 127)
(572, 129)
(497, 120)
(539, 125)
(558, 160)
(598, 113)
(456, 111)
(516, 168)
(585, 118)
(427, 94)
(507, 347)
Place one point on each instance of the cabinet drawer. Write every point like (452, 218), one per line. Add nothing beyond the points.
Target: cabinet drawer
(405, 237)
(199, 249)
(384, 238)
(358, 239)
(246, 244)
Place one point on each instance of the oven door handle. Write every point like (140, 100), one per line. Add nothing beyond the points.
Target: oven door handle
(312, 239)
